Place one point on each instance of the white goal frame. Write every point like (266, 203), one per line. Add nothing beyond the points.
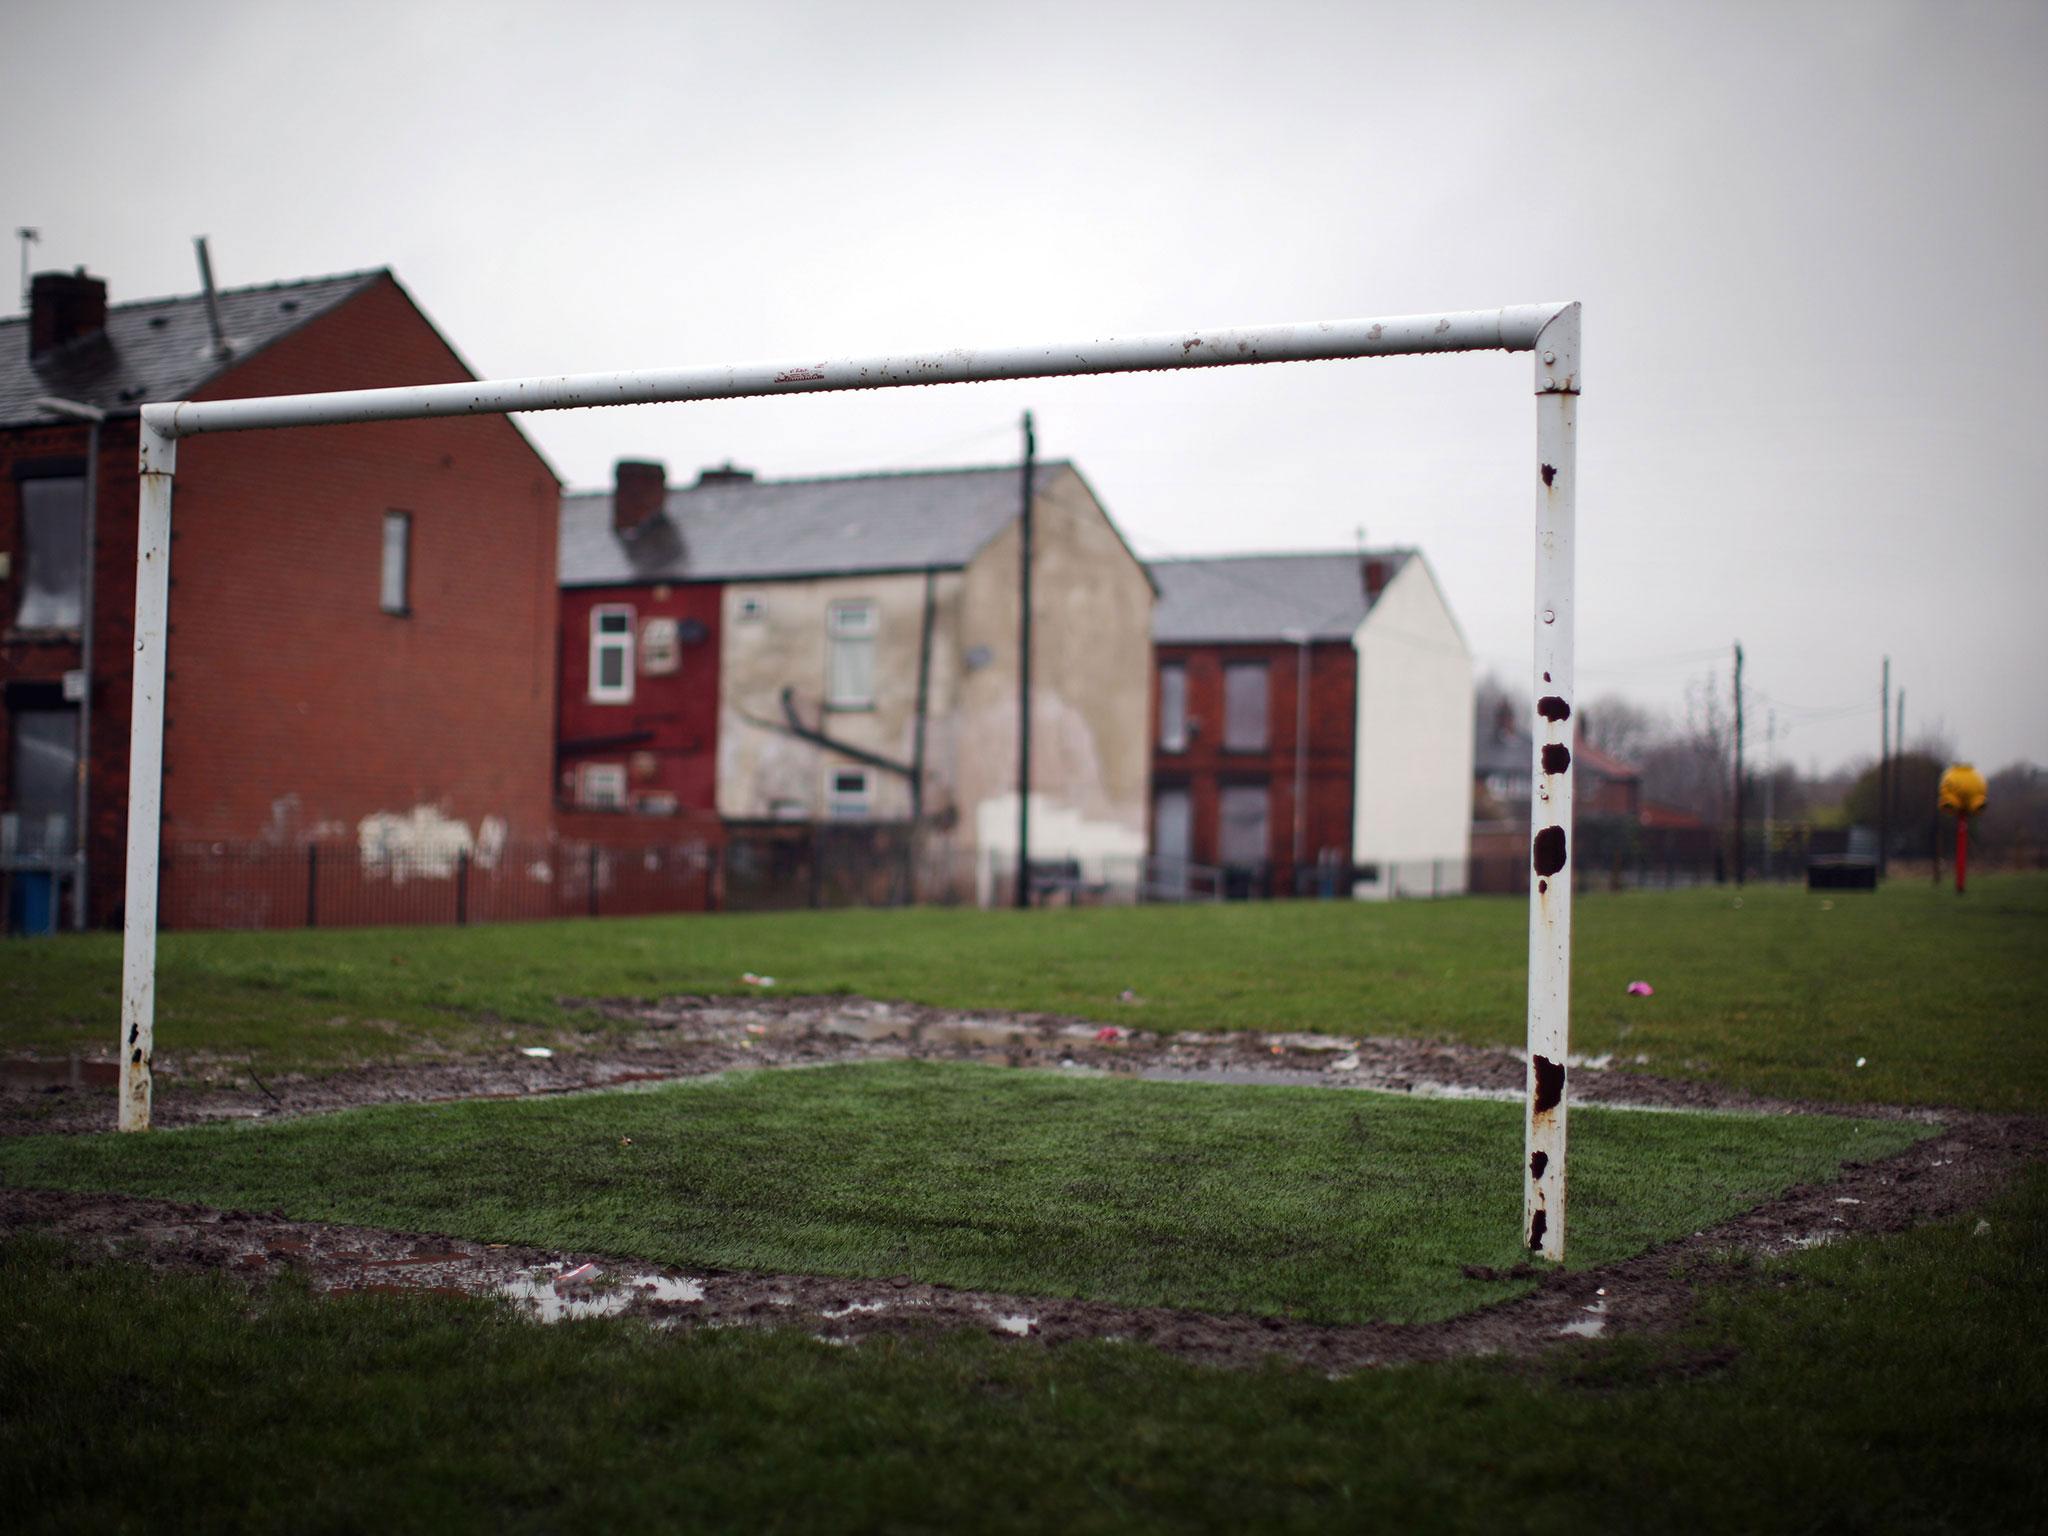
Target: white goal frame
(1551, 331)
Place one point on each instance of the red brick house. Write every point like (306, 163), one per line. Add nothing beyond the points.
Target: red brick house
(362, 617)
(1303, 726)
(638, 666)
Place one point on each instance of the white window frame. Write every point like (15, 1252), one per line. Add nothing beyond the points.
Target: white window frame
(602, 640)
(601, 787)
(846, 804)
(851, 625)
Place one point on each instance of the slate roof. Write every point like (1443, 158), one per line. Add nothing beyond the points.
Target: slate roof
(1243, 599)
(752, 530)
(159, 349)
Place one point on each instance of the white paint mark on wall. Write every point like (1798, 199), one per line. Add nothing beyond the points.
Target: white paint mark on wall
(421, 844)
(490, 841)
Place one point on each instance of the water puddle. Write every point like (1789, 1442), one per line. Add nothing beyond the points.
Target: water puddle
(553, 1296)
(1016, 1324)
(1591, 1326)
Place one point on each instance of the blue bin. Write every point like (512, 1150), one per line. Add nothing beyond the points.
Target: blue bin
(32, 901)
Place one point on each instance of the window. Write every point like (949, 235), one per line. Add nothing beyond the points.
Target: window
(850, 655)
(1244, 707)
(1172, 825)
(45, 754)
(611, 654)
(1241, 831)
(660, 647)
(52, 553)
(1173, 707)
(848, 792)
(393, 591)
(601, 786)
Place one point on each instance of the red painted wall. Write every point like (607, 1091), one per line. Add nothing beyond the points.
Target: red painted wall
(1205, 766)
(666, 737)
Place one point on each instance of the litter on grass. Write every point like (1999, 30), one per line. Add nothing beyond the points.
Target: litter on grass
(1641, 989)
(757, 981)
(537, 1052)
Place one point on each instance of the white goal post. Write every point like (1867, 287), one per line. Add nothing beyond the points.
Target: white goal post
(1550, 331)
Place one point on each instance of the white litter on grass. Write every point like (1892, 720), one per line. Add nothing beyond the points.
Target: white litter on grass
(1860, 1060)
(1345, 1063)
(1017, 1324)
(1983, 1229)
(537, 1052)
(1847, 1200)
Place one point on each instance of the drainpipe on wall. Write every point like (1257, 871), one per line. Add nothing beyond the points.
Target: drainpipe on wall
(92, 416)
(1300, 639)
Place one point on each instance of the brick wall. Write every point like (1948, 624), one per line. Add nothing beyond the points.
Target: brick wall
(1205, 767)
(41, 662)
(666, 736)
(296, 707)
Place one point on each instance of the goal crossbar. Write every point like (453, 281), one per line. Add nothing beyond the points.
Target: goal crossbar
(1550, 331)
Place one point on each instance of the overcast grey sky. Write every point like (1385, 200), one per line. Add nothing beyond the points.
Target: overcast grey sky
(1809, 238)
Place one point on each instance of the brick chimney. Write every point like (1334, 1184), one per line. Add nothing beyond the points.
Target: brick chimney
(725, 474)
(1374, 572)
(64, 306)
(639, 491)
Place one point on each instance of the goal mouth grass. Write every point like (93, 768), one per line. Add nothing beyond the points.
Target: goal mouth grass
(1326, 1205)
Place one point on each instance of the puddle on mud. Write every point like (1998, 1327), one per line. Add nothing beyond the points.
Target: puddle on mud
(1591, 1326)
(1017, 1324)
(542, 1296)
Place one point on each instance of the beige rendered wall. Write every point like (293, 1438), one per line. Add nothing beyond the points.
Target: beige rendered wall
(1414, 762)
(1091, 688)
(760, 767)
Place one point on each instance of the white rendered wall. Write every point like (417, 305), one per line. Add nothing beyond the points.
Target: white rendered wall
(1413, 810)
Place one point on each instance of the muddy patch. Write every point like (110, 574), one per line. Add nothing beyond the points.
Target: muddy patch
(692, 1036)
(1966, 1163)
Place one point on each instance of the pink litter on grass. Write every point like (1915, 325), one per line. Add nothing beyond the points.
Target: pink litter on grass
(1109, 1032)
(1641, 989)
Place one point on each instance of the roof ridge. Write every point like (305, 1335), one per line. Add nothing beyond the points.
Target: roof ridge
(192, 298)
(868, 474)
(1284, 554)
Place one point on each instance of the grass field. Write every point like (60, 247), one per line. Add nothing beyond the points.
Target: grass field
(1776, 990)
(1893, 1385)
(1331, 1206)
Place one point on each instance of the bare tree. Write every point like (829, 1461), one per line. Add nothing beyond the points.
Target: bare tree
(1622, 728)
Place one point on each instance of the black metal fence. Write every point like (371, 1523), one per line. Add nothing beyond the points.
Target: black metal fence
(342, 885)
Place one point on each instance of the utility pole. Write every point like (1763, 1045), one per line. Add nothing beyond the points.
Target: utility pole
(1738, 763)
(1884, 769)
(1770, 782)
(1899, 771)
(1024, 676)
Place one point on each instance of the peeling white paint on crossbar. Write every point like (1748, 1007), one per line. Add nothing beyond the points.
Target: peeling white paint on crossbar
(1551, 331)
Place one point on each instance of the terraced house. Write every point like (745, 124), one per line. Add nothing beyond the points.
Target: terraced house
(361, 617)
(843, 652)
(1312, 727)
